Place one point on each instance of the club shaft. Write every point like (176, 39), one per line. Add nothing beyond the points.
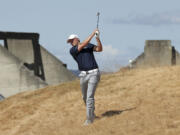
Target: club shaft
(97, 21)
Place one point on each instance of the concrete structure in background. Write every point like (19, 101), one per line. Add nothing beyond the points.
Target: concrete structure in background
(26, 65)
(157, 53)
(1, 97)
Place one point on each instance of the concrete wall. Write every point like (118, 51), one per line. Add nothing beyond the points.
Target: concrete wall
(158, 53)
(177, 58)
(15, 77)
(55, 72)
(21, 48)
(25, 65)
(139, 61)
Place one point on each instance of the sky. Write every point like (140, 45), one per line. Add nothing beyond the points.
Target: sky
(124, 25)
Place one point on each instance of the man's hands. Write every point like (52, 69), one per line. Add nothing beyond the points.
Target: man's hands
(97, 33)
(97, 48)
(85, 42)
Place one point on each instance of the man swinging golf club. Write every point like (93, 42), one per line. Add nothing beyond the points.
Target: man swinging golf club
(90, 74)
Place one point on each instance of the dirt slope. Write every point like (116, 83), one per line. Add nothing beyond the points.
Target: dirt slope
(136, 102)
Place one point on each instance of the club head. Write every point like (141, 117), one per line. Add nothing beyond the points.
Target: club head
(98, 13)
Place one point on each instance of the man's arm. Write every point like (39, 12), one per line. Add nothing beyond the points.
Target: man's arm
(85, 42)
(99, 47)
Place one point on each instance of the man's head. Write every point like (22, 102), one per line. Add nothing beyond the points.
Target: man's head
(73, 40)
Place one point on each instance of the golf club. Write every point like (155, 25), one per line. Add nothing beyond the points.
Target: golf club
(98, 19)
(97, 33)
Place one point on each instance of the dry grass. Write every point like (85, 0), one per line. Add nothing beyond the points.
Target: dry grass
(129, 102)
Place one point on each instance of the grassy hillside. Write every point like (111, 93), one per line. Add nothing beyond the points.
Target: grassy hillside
(135, 102)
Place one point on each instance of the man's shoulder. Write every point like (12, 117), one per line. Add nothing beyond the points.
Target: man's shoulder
(73, 49)
(70, 49)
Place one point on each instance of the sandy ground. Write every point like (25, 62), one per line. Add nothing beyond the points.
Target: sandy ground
(135, 102)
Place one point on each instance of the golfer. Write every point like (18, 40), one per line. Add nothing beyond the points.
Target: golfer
(82, 52)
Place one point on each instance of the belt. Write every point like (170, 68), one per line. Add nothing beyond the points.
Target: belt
(90, 71)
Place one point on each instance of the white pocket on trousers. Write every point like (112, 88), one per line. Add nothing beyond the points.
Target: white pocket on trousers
(82, 74)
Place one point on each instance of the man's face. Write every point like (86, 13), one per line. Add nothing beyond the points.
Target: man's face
(74, 41)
